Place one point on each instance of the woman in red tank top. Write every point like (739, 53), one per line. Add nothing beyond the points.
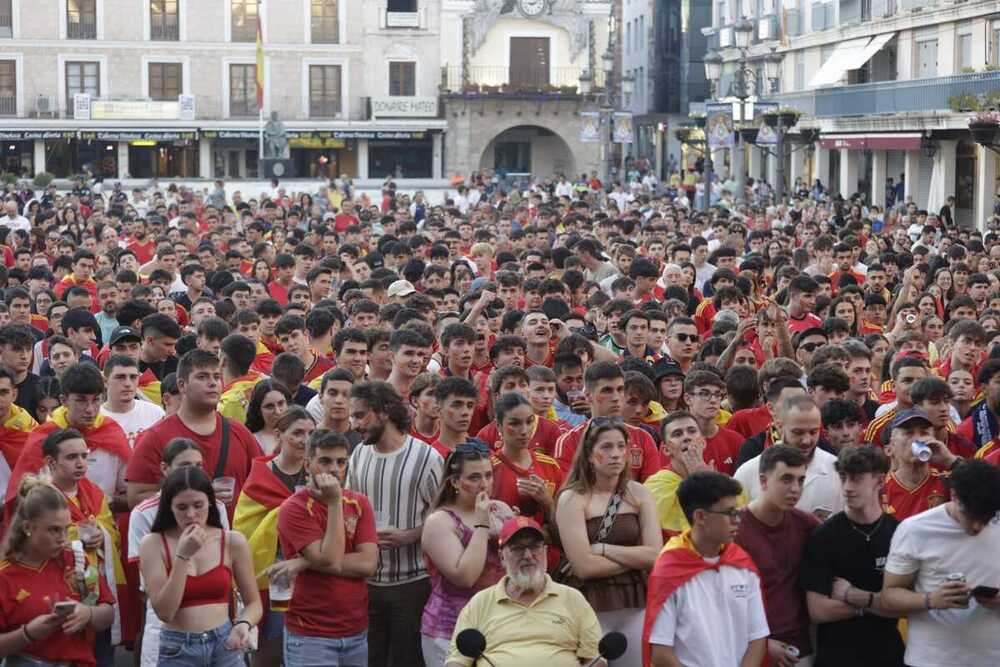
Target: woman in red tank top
(190, 564)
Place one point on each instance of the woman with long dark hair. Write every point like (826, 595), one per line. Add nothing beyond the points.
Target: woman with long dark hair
(609, 531)
(268, 402)
(190, 563)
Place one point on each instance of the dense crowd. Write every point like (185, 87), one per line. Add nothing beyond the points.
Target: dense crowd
(316, 429)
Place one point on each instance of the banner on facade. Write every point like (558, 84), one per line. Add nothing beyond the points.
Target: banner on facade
(590, 127)
(139, 135)
(24, 135)
(404, 107)
(623, 132)
(719, 127)
(766, 136)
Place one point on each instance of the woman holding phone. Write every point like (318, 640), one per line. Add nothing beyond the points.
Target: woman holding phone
(45, 616)
(189, 563)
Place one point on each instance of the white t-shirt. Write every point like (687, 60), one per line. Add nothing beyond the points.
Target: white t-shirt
(142, 415)
(822, 487)
(106, 471)
(15, 223)
(933, 545)
(712, 618)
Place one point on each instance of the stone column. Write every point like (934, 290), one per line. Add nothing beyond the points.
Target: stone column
(880, 165)
(205, 158)
(797, 168)
(437, 168)
(911, 176)
(362, 159)
(123, 160)
(848, 172)
(944, 162)
(823, 168)
(986, 176)
(39, 157)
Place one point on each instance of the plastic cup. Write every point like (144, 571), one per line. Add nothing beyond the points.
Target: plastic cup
(88, 531)
(225, 487)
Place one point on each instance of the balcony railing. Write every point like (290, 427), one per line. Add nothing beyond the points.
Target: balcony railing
(6, 24)
(886, 97)
(8, 105)
(84, 28)
(325, 108)
(165, 30)
(498, 80)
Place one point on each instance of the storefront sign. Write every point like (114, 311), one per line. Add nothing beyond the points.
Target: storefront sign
(312, 142)
(318, 135)
(402, 19)
(23, 135)
(902, 141)
(139, 135)
(134, 110)
(404, 107)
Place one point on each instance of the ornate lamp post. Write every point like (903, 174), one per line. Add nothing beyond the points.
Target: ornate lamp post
(606, 104)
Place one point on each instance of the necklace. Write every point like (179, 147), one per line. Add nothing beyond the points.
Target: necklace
(868, 536)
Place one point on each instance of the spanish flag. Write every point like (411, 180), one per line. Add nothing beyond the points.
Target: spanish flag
(260, 64)
(236, 396)
(264, 360)
(149, 385)
(14, 434)
(678, 563)
(104, 433)
(257, 515)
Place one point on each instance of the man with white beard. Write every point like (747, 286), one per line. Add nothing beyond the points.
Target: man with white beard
(526, 618)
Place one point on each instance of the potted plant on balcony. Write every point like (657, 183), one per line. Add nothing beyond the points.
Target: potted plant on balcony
(786, 116)
(985, 128)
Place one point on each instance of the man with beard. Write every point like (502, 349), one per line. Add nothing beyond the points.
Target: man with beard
(801, 424)
(400, 476)
(227, 446)
(683, 342)
(563, 628)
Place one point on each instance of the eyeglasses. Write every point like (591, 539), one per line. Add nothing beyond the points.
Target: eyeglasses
(733, 513)
(686, 338)
(519, 550)
(708, 395)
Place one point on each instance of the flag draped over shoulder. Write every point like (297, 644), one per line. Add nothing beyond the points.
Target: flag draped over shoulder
(149, 385)
(14, 434)
(236, 396)
(257, 515)
(104, 433)
(264, 360)
(678, 563)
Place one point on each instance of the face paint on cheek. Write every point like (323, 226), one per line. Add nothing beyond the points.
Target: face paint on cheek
(468, 487)
(600, 458)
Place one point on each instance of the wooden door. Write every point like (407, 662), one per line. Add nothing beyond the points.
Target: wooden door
(529, 62)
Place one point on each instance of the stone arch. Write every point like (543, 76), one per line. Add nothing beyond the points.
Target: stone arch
(549, 152)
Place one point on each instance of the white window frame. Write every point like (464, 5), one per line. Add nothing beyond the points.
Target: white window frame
(181, 22)
(245, 60)
(227, 23)
(63, 28)
(402, 59)
(18, 59)
(63, 58)
(341, 23)
(185, 63)
(345, 79)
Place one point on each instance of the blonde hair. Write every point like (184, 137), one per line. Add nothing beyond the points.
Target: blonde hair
(481, 249)
(35, 496)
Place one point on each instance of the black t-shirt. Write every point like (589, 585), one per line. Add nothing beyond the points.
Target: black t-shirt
(290, 481)
(28, 395)
(837, 548)
(161, 369)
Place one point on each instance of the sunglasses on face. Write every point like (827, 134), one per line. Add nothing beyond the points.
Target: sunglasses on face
(686, 338)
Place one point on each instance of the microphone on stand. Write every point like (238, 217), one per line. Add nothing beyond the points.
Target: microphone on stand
(611, 647)
(472, 644)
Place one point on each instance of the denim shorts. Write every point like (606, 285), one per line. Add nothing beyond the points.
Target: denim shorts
(303, 651)
(198, 649)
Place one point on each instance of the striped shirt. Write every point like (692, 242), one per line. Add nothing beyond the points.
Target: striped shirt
(400, 486)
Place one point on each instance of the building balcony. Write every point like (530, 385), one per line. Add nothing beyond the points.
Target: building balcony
(6, 23)
(164, 30)
(492, 80)
(83, 28)
(888, 97)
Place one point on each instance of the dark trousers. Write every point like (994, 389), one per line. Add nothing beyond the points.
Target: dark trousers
(394, 624)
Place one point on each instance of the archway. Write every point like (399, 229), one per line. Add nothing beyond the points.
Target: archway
(529, 149)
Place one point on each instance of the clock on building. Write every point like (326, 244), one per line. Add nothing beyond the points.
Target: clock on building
(531, 8)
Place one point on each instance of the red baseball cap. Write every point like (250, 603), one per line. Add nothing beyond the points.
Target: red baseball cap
(515, 525)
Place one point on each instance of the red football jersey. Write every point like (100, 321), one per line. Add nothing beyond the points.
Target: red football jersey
(903, 502)
(506, 474)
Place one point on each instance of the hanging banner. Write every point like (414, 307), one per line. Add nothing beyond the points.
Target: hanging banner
(719, 126)
(623, 132)
(766, 136)
(590, 127)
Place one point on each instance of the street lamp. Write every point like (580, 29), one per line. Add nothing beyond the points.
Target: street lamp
(608, 65)
(713, 67)
(628, 87)
(743, 32)
(586, 83)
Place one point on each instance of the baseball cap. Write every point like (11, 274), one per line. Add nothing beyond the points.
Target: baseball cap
(664, 367)
(515, 525)
(591, 247)
(477, 284)
(400, 288)
(122, 333)
(911, 414)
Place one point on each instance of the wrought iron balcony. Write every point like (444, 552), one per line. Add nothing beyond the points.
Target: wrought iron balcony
(82, 27)
(164, 29)
(499, 80)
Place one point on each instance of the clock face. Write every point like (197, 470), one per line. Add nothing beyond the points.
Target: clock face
(532, 8)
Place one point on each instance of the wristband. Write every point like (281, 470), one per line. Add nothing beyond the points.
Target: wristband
(481, 525)
(243, 620)
(24, 630)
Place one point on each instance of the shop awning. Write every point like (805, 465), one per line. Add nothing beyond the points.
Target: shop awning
(844, 54)
(878, 41)
(895, 141)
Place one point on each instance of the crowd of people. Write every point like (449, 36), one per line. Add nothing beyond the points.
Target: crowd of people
(314, 429)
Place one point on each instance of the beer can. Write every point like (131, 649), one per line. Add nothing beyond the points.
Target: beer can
(911, 318)
(792, 652)
(922, 451)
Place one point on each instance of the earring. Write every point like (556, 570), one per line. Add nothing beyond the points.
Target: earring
(27, 534)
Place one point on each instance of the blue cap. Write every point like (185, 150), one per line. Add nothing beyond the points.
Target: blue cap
(906, 416)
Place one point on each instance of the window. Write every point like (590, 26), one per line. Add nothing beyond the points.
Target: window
(81, 19)
(927, 58)
(165, 81)
(164, 20)
(82, 77)
(243, 90)
(324, 91)
(6, 19)
(628, 37)
(964, 51)
(403, 79)
(8, 88)
(325, 22)
(245, 18)
(402, 6)
(800, 70)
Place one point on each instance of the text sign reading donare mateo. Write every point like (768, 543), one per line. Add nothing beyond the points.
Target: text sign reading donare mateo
(404, 107)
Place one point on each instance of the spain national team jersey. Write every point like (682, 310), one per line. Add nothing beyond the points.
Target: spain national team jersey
(644, 457)
(506, 474)
(903, 502)
(543, 438)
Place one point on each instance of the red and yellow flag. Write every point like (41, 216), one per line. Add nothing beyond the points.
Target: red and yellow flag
(257, 515)
(260, 64)
(236, 396)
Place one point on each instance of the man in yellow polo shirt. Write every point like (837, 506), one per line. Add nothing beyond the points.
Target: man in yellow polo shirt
(527, 618)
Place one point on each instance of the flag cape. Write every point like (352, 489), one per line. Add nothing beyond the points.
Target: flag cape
(13, 437)
(678, 563)
(264, 360)
(105, 433)
(40, 322)
(257, 515)
(236, 396)
(149, 385)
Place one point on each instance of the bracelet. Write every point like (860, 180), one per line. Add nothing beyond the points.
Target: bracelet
(243, 620)
(481, 525)
(24, 630)
(927, 601)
